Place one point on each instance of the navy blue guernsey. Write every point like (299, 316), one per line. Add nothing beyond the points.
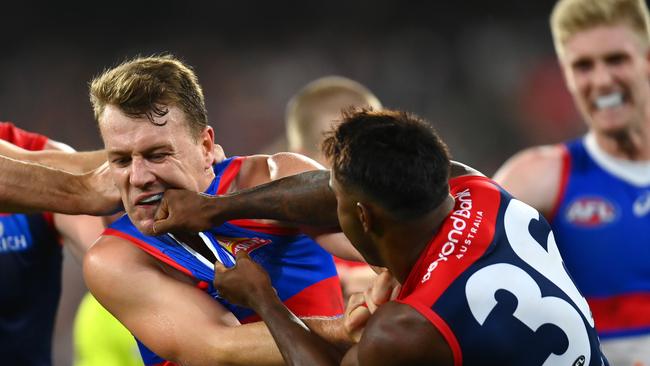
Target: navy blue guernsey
(30, 276)
(493, 283)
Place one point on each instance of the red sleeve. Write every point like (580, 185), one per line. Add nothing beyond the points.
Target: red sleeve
(28, 141)
(21, 138)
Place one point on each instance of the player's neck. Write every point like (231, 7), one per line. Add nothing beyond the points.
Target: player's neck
(206, 179)
(405, 243)
(632, 144)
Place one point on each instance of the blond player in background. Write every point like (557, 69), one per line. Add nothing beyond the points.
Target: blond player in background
(311, 112)
(595, 190)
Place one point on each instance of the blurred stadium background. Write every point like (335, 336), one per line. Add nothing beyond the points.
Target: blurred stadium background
(484, 72)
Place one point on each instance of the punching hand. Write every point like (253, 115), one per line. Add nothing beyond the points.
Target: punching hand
(184, 211)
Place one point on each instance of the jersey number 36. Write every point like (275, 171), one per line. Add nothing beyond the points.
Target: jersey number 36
(533, 309)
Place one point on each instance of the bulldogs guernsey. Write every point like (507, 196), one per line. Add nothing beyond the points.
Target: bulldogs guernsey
(494, 285)
(301, 271)
(602, 225)
(30, 275)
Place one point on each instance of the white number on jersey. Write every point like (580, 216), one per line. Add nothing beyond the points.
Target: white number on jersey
(533, 310)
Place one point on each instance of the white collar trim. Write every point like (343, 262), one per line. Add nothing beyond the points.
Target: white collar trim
(198, 256)
(634, 172)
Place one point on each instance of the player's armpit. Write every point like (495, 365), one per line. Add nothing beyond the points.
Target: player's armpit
(79, 232)
(164, 309)
(399, 335)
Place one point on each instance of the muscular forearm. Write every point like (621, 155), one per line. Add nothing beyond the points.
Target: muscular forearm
(73, 162)
(76, 162)
(244, 345)
(298, 345)
(304, 199)
(26, 187)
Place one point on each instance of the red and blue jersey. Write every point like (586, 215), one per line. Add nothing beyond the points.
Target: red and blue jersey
(302, 273)
(30, 275)
(602, 226)
(493, 284)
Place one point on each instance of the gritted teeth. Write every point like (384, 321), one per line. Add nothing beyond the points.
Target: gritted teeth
(152, 199)
(609, 100)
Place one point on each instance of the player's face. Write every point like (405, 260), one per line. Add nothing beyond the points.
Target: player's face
(348, 214)
(146, 159)
(607, 70)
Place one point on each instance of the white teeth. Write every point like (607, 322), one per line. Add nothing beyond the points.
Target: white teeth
(609, 101)
(154, 198)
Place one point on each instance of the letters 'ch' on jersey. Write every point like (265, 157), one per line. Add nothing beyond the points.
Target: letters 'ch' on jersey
(302, 273)
(30, 275)
(494, 285)
(602, 226)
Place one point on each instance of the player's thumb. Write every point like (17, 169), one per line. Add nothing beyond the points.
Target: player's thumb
(242, 255)
(161, 220)
(160, 226)
(219, 267)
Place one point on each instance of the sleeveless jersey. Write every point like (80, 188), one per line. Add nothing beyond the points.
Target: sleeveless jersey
(602, 225)
(493, 283)
(302, 273)
(30, 275)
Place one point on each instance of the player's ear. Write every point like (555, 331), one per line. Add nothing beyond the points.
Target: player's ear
(364, 213)
(206, 139)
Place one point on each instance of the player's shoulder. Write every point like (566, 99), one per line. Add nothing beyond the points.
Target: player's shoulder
(532, 160)
(397, 334)
(263, 168)
(111, 257)
(533, 175)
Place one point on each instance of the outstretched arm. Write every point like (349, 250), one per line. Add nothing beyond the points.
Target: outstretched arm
(27, 187)
(56, 155)
(303, 198)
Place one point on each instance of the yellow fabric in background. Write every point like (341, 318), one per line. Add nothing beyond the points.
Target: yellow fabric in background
(100, 339)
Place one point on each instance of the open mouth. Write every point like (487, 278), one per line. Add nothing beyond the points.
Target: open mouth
(151, 199)
(609, 101)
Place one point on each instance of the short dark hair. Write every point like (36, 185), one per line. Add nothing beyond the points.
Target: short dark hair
(394, 157)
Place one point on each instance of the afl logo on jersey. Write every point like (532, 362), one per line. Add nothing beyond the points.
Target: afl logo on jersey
(591, 212)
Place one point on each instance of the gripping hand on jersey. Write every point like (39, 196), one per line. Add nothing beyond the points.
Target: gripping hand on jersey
(246, 283)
